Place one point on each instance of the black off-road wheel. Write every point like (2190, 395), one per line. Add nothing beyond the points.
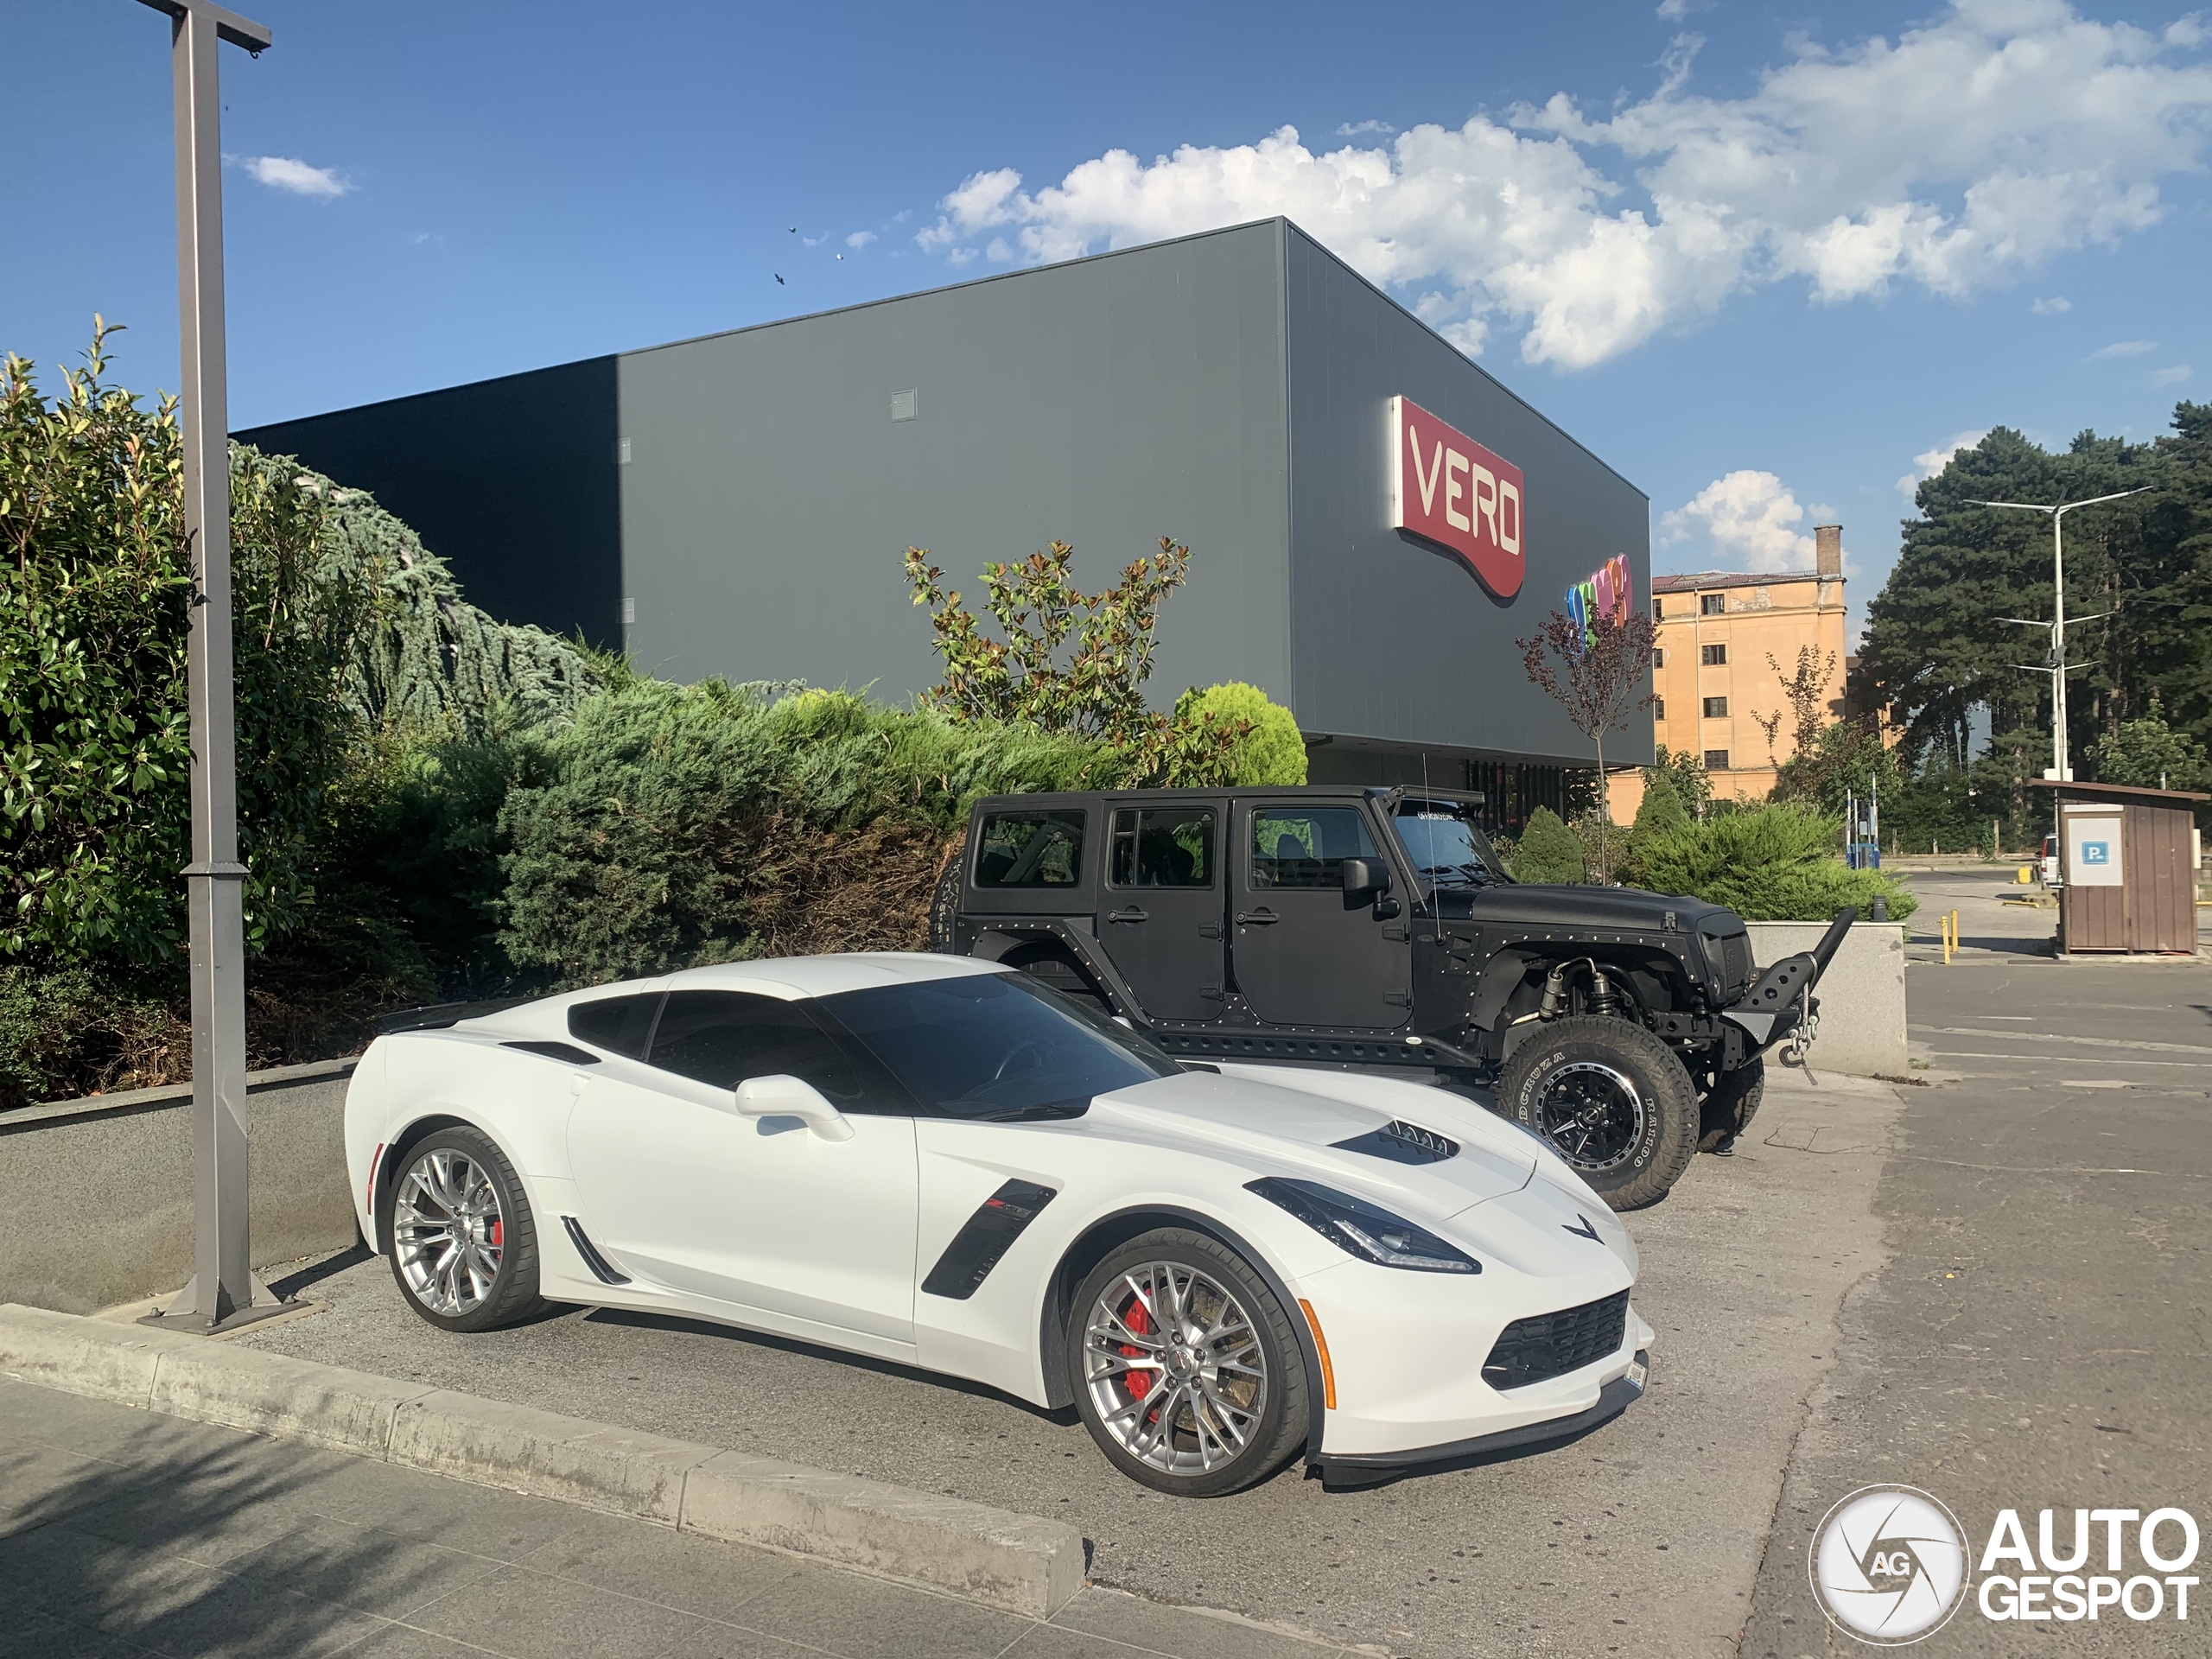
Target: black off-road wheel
(1184, 1366)
(459, 1231)
(945, 910)
(1611, 1099)
(1730, 1104)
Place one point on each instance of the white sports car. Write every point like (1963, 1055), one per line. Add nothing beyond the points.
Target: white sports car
(937, 1161)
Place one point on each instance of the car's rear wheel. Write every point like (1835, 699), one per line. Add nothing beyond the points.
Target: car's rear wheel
(464, 1249)
(1184, 1366)
(1730, 1104)
(1612, 1100)
(945, 910)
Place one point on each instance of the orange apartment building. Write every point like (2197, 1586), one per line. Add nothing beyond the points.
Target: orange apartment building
(1714, 681)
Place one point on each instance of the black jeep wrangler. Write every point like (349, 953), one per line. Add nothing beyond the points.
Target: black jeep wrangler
(1368, 927)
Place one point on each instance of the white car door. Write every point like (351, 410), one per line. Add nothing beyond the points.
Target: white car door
(810, 1236)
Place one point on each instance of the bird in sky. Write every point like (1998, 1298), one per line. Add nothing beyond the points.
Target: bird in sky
(780, 283)
(841, 257)
(794, 230)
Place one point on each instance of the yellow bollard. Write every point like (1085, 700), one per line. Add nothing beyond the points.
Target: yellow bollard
(2025, 874)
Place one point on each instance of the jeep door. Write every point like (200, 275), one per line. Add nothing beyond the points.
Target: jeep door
(1305, 952)
(1161, 914)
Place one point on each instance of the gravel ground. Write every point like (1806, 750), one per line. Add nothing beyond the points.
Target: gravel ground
(1643, 1537)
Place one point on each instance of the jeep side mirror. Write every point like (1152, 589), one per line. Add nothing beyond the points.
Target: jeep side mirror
(1366, 875)
(783, 1096)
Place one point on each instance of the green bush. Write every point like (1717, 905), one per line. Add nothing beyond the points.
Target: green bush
(673, 824)
(1271, 754)
(83, 1030)
(1547, 852)
(1771, 863)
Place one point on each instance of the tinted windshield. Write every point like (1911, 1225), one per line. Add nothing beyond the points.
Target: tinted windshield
(1446, 849)
(995, 1045)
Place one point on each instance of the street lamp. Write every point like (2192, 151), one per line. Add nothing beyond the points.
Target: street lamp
(223, 1290)
(2061, 770)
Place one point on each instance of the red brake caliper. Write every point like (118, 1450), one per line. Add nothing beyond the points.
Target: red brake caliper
(1138, 1383)
(499, 1232)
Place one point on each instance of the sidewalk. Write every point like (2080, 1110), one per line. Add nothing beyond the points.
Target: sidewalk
(123, 1532)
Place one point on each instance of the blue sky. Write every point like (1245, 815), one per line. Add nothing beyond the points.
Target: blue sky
(1761, 260)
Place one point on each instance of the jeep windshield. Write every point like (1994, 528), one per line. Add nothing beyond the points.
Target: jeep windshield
(1446, 848)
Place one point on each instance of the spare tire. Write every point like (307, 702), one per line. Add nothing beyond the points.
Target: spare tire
(945, 910)
(1611, 1099)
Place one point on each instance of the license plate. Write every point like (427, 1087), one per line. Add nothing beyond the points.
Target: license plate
(1637, 1370)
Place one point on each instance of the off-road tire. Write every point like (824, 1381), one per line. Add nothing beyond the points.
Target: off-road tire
(1281, 1418)
(512, 1295)
(1052, 965)
(1653, 1153)
(1731, 1104)
(945, 910)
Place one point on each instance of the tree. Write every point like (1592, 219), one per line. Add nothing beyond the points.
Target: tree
(1099, 691)
(1685, 769)
(1271, 752)
(1601, 676)
(1547, 853)
(2147, 753)
(1803, 687)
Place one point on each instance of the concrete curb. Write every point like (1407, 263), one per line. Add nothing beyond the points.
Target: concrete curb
(1020, 1563)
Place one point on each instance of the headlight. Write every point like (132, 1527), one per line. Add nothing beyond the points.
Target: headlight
(1364, 1230)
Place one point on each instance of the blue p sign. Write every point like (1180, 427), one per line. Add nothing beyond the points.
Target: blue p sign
(2096, 852)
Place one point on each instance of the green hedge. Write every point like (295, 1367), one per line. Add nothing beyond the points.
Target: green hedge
(1773, 863)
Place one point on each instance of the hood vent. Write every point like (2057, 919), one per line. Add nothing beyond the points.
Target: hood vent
(1403, 1143)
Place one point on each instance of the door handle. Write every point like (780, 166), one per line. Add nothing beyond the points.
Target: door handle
(1257, 918)
(1132, 914)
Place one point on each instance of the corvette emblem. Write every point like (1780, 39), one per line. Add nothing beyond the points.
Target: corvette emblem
(1585, 1230)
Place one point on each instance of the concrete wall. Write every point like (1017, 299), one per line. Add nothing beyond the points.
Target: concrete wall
(1392, 638)
(98, 1192)
(1105, 402)
(1861, 994)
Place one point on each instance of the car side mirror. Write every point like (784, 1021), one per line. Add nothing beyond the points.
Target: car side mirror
(783, 1096)
(1366, 875)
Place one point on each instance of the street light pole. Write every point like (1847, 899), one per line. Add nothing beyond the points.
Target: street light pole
(2062, 769)
(223, 1290)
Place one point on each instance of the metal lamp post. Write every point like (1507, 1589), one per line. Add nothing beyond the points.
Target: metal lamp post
(223, 1290)
(2062, 769)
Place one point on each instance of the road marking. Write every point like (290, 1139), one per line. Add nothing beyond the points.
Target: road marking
(2086, 1042)
(2045, 1060)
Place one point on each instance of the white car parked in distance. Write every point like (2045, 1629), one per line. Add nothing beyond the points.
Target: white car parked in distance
(935, 1160)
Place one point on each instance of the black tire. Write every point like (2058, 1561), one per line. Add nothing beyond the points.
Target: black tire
(1611, 1099)
(945, 910)
(1051, 964)
(1255, 1363)
(1731, 1104)
(409, 1220)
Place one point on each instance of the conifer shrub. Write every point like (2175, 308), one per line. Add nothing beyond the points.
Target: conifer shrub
(1548, 853)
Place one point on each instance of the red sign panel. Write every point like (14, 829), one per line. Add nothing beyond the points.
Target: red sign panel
(1447, 489)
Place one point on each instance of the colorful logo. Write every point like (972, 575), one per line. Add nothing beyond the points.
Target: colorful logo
(1605, 592)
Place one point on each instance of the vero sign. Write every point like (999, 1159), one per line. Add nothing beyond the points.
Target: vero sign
(1447, 489)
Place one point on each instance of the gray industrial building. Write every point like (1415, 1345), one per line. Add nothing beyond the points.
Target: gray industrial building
(737, 505)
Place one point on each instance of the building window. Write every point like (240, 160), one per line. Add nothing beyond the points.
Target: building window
(1716, 760)
(1712, 656)
(1658, 656)
(1716, 708)
(1658, 708)
(1712, 604)
(1658, 607)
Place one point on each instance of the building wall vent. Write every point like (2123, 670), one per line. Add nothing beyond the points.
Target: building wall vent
(905, 406)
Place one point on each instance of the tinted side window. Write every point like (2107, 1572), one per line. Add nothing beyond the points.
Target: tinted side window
(1163, 847)
(618, 1024)
(1030, 850)
(722, 1038)
(1307, 846)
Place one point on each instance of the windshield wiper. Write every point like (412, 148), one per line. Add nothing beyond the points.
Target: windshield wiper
(1048, 1109)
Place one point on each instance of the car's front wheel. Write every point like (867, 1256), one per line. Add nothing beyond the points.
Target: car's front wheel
(1613, 1101)
(1184, 1366)
(463, 1247)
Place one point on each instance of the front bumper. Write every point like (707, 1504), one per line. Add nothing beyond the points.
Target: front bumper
(1614, 1398)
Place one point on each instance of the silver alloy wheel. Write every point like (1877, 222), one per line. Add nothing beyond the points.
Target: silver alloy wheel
(448, 1233)
(1592, 1115)
(1174, 1369)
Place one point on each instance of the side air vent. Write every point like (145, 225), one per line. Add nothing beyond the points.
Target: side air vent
(984, 1238)
(1403, 1143)
(601, 1269)
(568, 1051)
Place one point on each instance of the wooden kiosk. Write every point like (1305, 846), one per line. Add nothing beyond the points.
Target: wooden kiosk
(2128, 867)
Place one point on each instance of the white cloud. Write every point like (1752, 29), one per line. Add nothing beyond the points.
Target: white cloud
(1961, 155)
(289, 172)
(2056, 304)
(999, 252)
(2122, 348)
(1928, 462)
(1749, 520)
(1357, 129)
(2180, 372)
(860, 240)
(1674, 10)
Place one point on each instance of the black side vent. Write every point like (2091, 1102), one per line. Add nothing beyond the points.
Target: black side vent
(568, 1051)
(1403, 1143)
(987, 1237)
(601, 1269)
(1551, 1344)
